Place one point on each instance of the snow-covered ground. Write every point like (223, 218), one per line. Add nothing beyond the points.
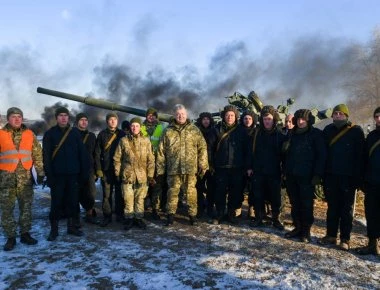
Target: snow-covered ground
(182, 257)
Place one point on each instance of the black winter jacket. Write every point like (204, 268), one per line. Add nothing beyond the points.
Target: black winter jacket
(231, 151)
(345, 156)
(71, 158)
(211, 137)
(267, 157)
(372, 163)
(306, 155)
(104, 158)
(90, 146)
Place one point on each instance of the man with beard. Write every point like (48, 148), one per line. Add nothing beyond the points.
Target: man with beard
(264, 167)
(206, 184)
(229, 154)
(344, 168)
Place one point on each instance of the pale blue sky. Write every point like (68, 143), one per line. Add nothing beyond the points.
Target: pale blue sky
(57, 44)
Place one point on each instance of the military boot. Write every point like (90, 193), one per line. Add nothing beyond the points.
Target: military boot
(106, 221)
(217, 219)
(76, 221)
(53, 230)
(258, 220)
(277, 223)
(155, 215)
(10, 244)
(27, 239)
(140, 224)
(72, 229)
(231, 217)
(296, 232)
(128, 224)
(305, 234)
(169, 220)
(193, 220)
(371, 248)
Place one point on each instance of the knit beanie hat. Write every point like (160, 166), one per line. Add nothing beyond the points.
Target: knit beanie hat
(229, 108)
(152, 111)
(377, 111)
(14, 110)
(80, 116)
(61, 110)
(342, 108)
(110, 115)
(136, 120)
(125, 125)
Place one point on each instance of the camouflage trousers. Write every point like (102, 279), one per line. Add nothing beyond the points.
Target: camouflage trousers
(186, 183)
(134, 195)
(8, 196)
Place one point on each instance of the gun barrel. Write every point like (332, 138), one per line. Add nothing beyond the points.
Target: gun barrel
(101, 103)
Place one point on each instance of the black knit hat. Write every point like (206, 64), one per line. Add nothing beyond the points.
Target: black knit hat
(152, 111)
(125, 125)
(305, 114)
(377, 111)
(110, 115)
(14, 110)
(61, 110)
(80, 116)
(229, 108)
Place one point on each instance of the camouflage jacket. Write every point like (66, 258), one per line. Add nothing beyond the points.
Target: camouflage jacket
(22, 176)
(134, 159)
(182, 150)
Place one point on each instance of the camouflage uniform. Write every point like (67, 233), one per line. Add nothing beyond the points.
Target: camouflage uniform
(18, 185)
(181, 153)
(134, 165)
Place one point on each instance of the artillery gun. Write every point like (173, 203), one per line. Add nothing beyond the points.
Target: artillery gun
(251, 103)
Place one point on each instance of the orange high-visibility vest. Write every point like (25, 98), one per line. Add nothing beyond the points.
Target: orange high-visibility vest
(10, 156)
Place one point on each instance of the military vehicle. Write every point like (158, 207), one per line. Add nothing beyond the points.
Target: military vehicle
(251, 103)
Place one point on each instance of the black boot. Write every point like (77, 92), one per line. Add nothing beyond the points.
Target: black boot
(10, 244)
(140, 224)
(53, 230)
(72, 229)
(155, 215)
(128, 224)
(76, 221)
(231, 217)
(277, 223)
(169, 220)
(106, 221)
(258, 220)
(371, 248)
(193, 220)
(305, 234)
(296, 232)
(27, 239)
(217, 219)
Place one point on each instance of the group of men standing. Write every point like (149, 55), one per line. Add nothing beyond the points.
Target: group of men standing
(193, 160)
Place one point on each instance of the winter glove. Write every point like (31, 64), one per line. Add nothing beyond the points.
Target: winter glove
(151, 181)
(40, 179)
(201, 172)
(160, 179)
(99, 173)
(316, 180)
